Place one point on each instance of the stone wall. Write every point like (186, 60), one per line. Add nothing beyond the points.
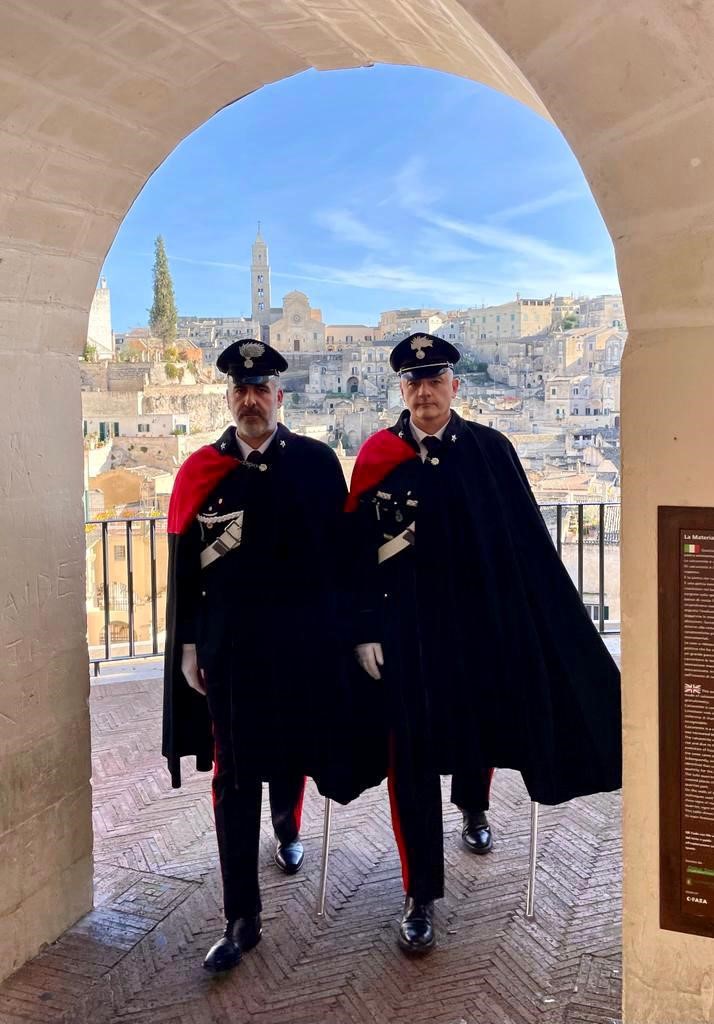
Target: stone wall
(165, 453)
(206, 411)
(93, 376)
(110, 405)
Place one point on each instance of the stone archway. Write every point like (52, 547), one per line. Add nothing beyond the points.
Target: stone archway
(93, 96)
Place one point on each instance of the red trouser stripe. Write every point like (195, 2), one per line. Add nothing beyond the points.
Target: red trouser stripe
(396, 820)
(297, 812)
(215, 770)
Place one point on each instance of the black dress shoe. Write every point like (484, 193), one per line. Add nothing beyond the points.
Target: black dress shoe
(247, 931)
(240, 936)
(476, 832)
(289, 856)
(416, 932)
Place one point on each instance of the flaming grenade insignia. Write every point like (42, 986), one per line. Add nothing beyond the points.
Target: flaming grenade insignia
(250, 351)
(419, 344)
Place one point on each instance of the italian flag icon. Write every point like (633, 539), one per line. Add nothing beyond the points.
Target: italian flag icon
(692, 549)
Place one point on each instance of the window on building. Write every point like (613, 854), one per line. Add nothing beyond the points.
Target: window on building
(120, 552)
(594, 612)
(553, 391)
(314, 335)
(261, 306)
(180, 428)
(143, 428)
(349, 338)
(260, 278)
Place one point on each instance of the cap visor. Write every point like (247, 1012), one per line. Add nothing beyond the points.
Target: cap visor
(260, 378)
(424, 372)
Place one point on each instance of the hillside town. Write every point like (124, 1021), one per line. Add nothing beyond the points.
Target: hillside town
(544, 371)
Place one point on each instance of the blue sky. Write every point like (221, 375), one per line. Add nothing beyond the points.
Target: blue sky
(376, 188)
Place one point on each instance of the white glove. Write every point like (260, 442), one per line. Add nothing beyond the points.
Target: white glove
(195, 677)
(370, 658)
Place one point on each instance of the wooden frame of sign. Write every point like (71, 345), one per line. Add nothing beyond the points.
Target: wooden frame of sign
(685, 546)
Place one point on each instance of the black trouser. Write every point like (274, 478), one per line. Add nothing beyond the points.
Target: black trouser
(415, 801)
(237, 812)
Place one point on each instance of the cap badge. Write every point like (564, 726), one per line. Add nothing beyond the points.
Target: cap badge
(251, 350)
(419, 344)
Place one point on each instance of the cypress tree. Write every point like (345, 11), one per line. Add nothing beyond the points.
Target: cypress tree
(162, 315)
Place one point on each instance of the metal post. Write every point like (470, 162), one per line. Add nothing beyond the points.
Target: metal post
(325, 857)
(154, 609)
(130, 584)
(105, 570)
(601, 570)
(530, 896)
(559, 529)
(580, 550)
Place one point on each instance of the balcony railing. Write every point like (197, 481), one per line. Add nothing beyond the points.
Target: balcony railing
(127, 561)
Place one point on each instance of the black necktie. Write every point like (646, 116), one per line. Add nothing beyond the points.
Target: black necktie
(257, 459)
(433, 449)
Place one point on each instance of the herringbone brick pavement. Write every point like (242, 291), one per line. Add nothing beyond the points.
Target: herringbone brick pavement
(136, 959)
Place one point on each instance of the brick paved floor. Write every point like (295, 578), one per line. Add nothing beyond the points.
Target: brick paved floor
(137, 957)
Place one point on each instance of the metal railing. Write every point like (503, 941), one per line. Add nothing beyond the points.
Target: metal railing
(135, 594)
(127, 560)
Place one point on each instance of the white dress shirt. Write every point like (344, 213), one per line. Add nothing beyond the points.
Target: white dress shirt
(245, 449)
(419, 436)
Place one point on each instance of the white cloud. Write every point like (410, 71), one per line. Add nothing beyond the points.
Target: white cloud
(448, 290)
(505, 240)
(207, 263)
(557, 198)
(347, 228)
(410, 190)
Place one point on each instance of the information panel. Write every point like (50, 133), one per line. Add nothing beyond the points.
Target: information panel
(686, 719)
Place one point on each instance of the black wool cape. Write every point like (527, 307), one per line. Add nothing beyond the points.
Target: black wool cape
(276, 633)
(491, 659)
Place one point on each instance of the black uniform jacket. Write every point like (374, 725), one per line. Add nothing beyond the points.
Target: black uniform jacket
(255, 556)
(490, 656)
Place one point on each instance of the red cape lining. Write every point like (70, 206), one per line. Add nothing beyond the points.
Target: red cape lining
(378, 456)
(199, 474)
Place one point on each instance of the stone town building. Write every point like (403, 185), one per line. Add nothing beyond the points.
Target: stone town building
(341, 336)
(515, 319)
(408, 321)
(99, 329)
(300, 328)
(602, 311)
(94, 97)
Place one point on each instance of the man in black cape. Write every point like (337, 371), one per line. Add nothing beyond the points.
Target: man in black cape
(466, 613)
(252, 681)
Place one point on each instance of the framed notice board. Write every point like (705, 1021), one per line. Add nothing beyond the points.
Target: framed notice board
(685, 546)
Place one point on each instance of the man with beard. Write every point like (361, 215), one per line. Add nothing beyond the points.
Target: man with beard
(467, 615)
(253, 524)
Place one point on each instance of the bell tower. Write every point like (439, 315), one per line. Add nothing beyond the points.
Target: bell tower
(260, 283)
